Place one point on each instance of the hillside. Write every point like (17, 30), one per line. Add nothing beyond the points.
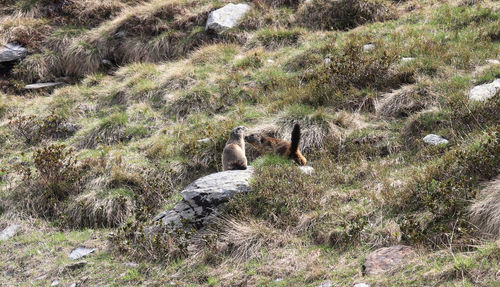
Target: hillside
(140, 103)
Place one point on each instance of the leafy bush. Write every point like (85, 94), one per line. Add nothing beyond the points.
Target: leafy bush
(56, 177)
(32, 129)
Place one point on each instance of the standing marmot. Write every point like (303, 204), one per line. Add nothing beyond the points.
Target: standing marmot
(233, 156)
(265, 145)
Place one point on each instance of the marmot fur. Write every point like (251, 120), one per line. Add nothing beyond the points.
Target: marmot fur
(233, 156)
(266, 145)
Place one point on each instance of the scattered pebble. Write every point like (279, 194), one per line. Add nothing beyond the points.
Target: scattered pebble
(205, 140)
(270, 61)
(9, 232)
(41, 85)
(307, 169)
(55, 283)
(407, 59)
(368, 47)
(362, 285)
(484, 92)
(493, 62)
(80, 252)
(326, 284)
(433, 139)
(327, 61)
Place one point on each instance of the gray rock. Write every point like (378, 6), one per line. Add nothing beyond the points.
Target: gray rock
(202, 198)
(130, 264)
(326, 284)
(307, 169)
(55, 283)
(385, 259)
(9, 232)
(433, 139)
(72, 285)
(205, 140)
(362, 285)
(80, 252)
(327, 61)
(407, 59)
(226, 17)
(11, 52)
(493, 62)
(368, 47)
(484, 92)
(41, 85)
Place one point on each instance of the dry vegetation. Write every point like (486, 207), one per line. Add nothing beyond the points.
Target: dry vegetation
(148, 103)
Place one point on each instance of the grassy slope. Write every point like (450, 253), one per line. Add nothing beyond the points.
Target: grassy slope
(147, 118)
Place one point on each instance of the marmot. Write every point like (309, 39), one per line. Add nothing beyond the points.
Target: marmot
(233, 156)
(266, 145)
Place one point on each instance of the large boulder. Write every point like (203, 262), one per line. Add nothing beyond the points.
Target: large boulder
(385, 259)
(226, 17)
(202, 199)
(11, 52)
(484, 92)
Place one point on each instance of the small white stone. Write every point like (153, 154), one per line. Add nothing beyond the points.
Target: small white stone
(9, 232)
(41, 85)
(327, 61)
(80, 252)
(226, 17)
(205, 140)
(270, 61)
(493, 62)
(433, 139)
(368, 47)
(407, 59)
(362, 285)
(54, 283)
(484, 92)
(307, 169)
(326, 284)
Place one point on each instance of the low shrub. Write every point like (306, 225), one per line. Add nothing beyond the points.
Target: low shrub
(32, 129)
(341, 14)
(56, 177)
(444, 190)
(281, 193)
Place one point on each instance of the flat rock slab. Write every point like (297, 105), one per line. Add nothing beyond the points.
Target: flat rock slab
(385, 259)
(41, 85)
(226, 17)
(484, 92)
(12, 52)
(9, 232)
(202, 198)
(433, 139)
(80, 252)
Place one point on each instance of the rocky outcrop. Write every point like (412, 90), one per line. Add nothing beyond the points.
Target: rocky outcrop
(226, 17)
(484, 92)
(11, 52)
(202, 199)
(385, 259)
(433, 139)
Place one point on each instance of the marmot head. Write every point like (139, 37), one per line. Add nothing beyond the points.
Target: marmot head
(254, 139)
(237, 133)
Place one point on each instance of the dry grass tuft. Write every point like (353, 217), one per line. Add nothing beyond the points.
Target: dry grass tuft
(245, 240)
(341, 14)
(485, 212)
(318, 130)
(98, 211)
(405, 101)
